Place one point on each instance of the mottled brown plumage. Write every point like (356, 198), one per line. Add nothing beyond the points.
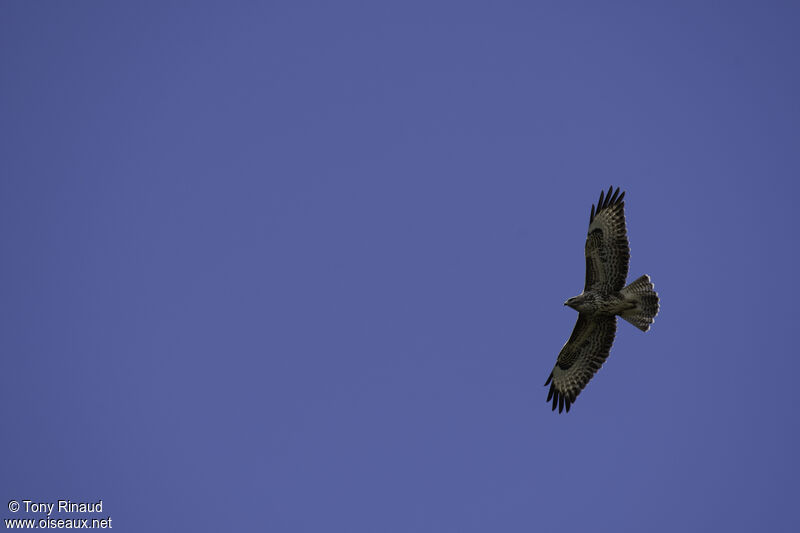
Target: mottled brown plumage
(604, 297)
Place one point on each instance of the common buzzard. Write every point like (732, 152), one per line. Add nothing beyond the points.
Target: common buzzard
(604, 297)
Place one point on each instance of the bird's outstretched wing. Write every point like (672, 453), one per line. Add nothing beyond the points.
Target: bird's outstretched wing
(607, 251)
(580, 358)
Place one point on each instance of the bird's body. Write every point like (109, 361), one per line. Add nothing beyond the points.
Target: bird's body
(600, 303)
(604, 297)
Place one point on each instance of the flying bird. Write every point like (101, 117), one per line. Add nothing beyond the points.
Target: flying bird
(604, 297)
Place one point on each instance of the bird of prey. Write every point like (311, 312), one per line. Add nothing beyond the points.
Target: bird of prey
(604, 297)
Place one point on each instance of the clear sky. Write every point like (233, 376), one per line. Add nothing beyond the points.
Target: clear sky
(300, 267)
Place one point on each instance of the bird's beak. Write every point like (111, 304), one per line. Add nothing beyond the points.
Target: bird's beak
(566, 303)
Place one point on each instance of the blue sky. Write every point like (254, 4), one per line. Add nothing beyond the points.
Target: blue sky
(300, 266)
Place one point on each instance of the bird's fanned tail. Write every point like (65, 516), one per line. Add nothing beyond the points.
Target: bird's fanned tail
(643, 294)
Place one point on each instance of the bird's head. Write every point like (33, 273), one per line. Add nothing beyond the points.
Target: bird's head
(574, 302)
